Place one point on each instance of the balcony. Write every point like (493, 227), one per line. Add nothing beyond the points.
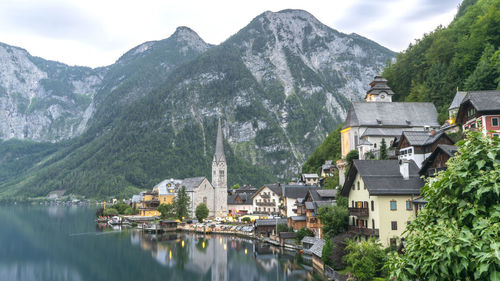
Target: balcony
(264, 195)
(271, 204)
(358, 212)
(363, 230)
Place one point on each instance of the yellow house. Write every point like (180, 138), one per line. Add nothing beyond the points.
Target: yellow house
(149, 204)
(381, 194)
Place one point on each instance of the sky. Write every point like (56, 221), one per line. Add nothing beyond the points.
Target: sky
(97, 32)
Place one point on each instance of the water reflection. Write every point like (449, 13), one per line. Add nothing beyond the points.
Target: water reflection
(46, 244)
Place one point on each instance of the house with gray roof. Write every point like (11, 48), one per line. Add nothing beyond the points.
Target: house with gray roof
(308, 208)
(267, 199)
(289, 195)
(480, 111)
(437, 160)
(381, 194)
(367, 123)
(418, 145)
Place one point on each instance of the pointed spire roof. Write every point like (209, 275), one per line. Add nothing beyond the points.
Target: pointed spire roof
(219, 145)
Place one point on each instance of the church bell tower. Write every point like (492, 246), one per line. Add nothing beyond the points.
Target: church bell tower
(219, 175)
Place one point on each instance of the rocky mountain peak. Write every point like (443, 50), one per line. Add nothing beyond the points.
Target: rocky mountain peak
(186, 35)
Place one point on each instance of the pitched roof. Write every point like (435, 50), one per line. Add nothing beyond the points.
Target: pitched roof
(270, 222)
(378, 85)
(298, 218)
(327, 193)
(296, 191)
(382, 132)
(484, 100)
(422, 138)
(450, 150)
(219, 144)
(275, 187)
(192, 183)
(246, 199)
(309, 240)
(457, 100)
(390, 114)
(310, 175)
(383, 177)
(317, 248)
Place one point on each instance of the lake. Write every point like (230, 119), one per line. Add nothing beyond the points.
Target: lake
(58, 243)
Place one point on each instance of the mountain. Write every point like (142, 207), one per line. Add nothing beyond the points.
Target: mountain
(280, 85)
(463, 56)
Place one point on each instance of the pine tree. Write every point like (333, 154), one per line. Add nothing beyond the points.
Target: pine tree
(383, 150)
(181, 204)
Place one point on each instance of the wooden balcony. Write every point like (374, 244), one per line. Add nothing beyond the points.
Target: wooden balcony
(270, 204)
(263, 195)
(358, 212)
(363, 230)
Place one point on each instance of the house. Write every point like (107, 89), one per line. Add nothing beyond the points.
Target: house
(240, 203)
(310, 179)
(307, 210)
(367, 123)
(418, 145)
(149, 204)
(328, 169)
(167, 190)
(267, 199)
(437, 160)
(480, 110)
(380, 196)
(267, 227)
(314, 246)
(289, 195)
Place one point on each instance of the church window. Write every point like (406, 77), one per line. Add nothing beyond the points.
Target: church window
(205, 200)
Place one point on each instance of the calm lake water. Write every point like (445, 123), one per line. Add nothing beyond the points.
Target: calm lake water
(63, 243)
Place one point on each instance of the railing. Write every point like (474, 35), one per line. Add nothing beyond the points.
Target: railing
(363, 230)
(334, 275)
(263, 195)
(265, 203)
(358, 212)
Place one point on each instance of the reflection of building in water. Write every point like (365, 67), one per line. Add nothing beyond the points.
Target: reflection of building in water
(201, 254)
(265, 256)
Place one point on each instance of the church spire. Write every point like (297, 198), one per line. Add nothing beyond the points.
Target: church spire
(219, 145)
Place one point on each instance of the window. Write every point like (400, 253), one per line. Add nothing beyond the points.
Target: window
(496, 135)
(473, 125)
(352, 203)
(394, 205)
(408, 205)
(394, 225)
(358, 185)
(373, 206)
(393, 242)
(373, 224)
(494, 121)
(353, 221)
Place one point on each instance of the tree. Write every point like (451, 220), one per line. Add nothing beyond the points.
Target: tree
(167, 211)
(110, 212)
(236, 186)
(282, 227)
(201, 212)
(335, 219)
(365, 259)
(328, 150)
(245, 219)
(383, 150)
(455, 237)
(303, 232)
(351, 155)
(327, 251)
(181, 204)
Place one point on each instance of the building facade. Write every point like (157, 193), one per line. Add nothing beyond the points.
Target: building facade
(480, 111)
(267, 200)
(219, 176)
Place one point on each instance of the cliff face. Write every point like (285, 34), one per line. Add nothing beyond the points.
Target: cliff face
(280, 85)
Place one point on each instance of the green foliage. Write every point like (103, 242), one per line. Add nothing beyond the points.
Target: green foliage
(236, 186)
(167, 211)
(351, 155)
(327, 252)
(129, 211)
(121, 207)
(282, 227)
(383, 150)
(458, 56)
(455, 237)
(245, 219)
(181, 204)
(201, 212)
(335, 219)
(328, 150)
(303, 232)
(331, 182)
(365, 259)
(110, 212)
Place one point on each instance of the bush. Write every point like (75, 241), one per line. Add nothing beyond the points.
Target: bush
(327, 252)
(201, 212)
(110, 212)
(129, 211)
(245, 219)
(303, 232)
(121, 207)
(365, 259)
(282, 227)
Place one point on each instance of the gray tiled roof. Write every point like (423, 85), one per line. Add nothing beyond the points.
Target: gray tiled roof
(383, 177)
(382, 132)
(421, 138)
(270, 222)
(484, 100)
(310, 240)
(192, 183)
(219, 145)
(297, 191)
(327, 193)
(298, 218)
(457, 100)
(310, 206)
(245, 197)
(448, 149)
(402, 114)
(317, 248)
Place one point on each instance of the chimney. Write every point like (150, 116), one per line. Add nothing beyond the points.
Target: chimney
(404, 168)
(433, 132)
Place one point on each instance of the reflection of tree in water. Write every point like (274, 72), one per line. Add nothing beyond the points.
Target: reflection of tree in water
(202, 245)
(181, 252)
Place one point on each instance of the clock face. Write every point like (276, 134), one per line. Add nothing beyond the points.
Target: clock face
(382, 95)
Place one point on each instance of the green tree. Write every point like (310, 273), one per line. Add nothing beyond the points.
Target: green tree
(167, 211)
(282, 227)
(351, 155)
(455, 237)
(485, 74)
(329, 149)
(383, 150)
(201, 212)
(303, 232)
(327, 252)
(365, 260)
(181, 204)
(335, 219)
(110, 212)
(331, 182)
(236, 186)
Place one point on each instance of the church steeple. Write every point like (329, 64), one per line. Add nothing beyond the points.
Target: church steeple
(379, 91)
(219, 145)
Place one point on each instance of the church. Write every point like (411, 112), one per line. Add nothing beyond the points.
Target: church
(199, 189)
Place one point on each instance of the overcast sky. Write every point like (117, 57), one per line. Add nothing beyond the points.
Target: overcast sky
(97, 32)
